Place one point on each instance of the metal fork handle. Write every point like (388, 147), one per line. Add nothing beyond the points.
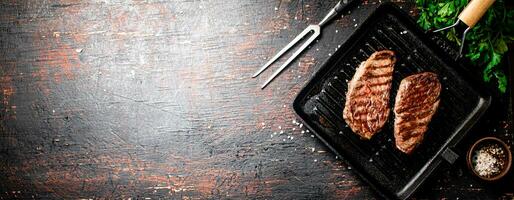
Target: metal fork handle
(340, 7)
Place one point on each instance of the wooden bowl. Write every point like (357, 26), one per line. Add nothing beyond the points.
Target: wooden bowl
(482, 142)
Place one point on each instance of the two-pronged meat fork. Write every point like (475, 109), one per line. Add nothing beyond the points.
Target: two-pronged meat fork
(316, 31)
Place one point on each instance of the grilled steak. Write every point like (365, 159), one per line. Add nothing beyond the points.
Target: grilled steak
(367, 101)
(416, 102)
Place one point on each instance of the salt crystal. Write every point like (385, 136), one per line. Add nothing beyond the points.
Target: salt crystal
(315, 160)
(312, 136)
(276, 8)
(303, 131)
(313, 149)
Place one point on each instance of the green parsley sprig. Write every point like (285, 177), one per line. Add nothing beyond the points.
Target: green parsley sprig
(486, 43)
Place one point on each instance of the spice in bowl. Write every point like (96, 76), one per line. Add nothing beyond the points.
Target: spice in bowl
(489, 158)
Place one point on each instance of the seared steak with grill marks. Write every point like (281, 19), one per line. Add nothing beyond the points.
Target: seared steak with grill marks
(416, 102)
(367, 101)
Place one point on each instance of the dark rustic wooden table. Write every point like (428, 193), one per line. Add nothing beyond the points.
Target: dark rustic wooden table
(141, 99)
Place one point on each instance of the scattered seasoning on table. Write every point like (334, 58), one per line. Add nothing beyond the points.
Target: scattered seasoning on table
(490, 160)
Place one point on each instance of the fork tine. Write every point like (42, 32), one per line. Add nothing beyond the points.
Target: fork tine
(316, 30)
(285, 49)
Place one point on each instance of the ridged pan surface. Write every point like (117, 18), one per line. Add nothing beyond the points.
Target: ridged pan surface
(320, 103)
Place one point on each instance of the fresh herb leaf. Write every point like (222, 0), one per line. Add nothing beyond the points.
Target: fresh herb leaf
(486, 43)
(501, 46)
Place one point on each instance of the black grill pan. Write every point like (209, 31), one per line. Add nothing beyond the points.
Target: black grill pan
(393, 174)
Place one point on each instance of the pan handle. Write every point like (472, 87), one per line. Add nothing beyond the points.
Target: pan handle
(474, 11)
(449, 155)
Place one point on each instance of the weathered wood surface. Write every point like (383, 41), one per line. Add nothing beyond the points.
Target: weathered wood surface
(153, 99)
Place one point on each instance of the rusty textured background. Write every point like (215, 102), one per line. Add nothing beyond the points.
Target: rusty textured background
(110, 99)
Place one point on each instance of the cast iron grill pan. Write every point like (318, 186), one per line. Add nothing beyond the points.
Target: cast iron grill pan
(320, 103)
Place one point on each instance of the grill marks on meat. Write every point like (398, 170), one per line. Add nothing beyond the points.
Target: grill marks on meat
(367, 100)
(416, 103)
